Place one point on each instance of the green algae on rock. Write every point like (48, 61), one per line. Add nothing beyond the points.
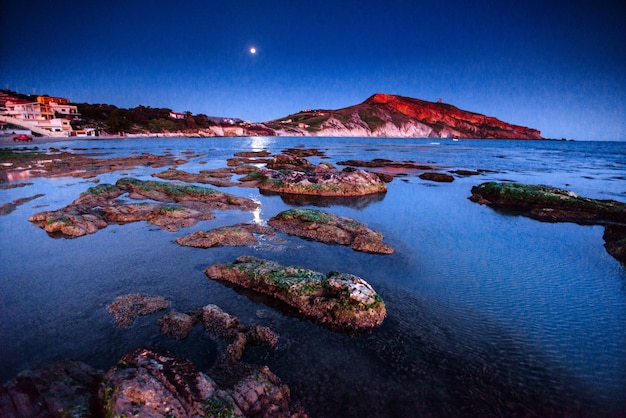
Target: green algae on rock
(233, 235)
(548, 203)
(337, 300)
(325, 227)
(293, 175)
(183, 206)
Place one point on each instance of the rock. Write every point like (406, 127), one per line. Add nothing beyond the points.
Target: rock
(99, 206)
(176, 324)
(557, 205)
(57, 163)
(157, 383)
(337, 300)
(328, 228)
(179, 192)
(126, 308)
(615, 241)
(438, 177)
(384, 163)
(7, 208)
(294, 175)
(253, 154)
(65, 389)
(548, 204)
(235, 235)
(465, 173)
(304, 152)
(227, 327)
(218, 177)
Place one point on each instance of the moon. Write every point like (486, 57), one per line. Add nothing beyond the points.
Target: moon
(253, 50)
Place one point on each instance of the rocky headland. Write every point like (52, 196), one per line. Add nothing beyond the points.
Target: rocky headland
(387, 115)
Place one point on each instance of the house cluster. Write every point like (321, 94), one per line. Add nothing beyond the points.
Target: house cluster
(46, 115)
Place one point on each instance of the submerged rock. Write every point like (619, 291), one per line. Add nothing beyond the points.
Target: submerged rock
(548, 203)
(176, 324)
(337, 300)
(126, 308)
(294, 175)
(438, 177)
(326, 227)
(184, 205)
(234, 235)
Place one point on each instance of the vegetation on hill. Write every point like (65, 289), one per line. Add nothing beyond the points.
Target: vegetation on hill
(139, 119)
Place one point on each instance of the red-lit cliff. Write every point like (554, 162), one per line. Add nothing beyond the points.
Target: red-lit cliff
(386, 115)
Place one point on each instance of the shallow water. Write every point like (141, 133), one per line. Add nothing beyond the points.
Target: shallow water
(488, 313)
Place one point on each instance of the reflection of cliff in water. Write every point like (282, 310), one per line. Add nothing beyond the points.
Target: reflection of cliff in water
(355, 202)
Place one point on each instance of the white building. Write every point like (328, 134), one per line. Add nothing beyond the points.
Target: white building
(40, 115)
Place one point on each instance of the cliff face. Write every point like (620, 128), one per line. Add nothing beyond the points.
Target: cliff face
(385, 115)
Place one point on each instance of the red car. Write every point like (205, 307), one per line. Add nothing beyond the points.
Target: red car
(22, 138)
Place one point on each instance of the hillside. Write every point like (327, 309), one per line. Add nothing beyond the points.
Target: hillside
(385, 115)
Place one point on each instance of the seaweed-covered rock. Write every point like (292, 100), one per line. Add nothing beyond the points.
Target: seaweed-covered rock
(325, 227)
(294, 175)
(217, 177)
(548, 203)
(182, 206)
(337, 300)
(179, 192)
(234, 235)
(126, 308)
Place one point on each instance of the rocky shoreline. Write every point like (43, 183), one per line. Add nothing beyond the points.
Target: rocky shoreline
(338, 301)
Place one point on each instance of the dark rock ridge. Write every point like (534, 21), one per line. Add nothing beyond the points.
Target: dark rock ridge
(338, 300)
(550, 204)
(100, 206)
(331, 229)
(386, 115)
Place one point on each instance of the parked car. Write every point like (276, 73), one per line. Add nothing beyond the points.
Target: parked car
(22, 137)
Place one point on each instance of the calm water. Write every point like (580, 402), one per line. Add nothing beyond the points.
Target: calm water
(488, 313)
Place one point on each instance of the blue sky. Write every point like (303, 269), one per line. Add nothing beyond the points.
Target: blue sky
(558, 66)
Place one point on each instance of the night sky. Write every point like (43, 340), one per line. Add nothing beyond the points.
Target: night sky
(558, 66)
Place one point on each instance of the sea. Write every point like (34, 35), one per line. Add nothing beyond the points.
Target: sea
(488, 313)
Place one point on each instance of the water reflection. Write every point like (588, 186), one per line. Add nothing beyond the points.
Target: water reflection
(355, 202)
